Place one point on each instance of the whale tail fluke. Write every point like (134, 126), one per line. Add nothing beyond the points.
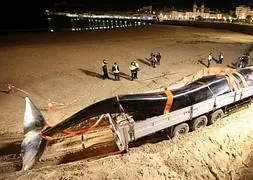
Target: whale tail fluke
(33, 144)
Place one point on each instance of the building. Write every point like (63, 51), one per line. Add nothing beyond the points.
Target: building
(196, 13)
(243, 11)
(146, 9)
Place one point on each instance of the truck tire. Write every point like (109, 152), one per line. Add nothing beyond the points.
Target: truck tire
(215, 116)
(180, 129)
(198, 123)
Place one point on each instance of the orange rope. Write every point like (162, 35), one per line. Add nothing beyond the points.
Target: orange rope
(9, 89)
(84, 131)
(45, 137)
(68, 133)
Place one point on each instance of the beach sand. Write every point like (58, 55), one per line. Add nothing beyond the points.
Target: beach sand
(66, 67)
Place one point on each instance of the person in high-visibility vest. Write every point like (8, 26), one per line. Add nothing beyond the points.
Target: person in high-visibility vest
(133, 70)
(137, 69)
(221, 58)
(210, 58)
(115, 70)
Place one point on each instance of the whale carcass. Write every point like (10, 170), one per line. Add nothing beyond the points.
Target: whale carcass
(133, 116)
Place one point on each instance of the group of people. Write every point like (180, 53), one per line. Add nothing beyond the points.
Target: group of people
(134, 68)
(243, 61)
(115, 70)
(210, 59)
(155, 59)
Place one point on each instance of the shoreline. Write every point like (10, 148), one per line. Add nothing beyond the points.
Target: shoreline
(236, 27)
(241, 28)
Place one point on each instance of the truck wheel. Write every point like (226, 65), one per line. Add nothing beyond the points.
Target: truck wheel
(215, 116)
(180, 129)
(198, 123)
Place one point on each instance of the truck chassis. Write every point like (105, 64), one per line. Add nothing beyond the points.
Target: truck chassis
(190, 118)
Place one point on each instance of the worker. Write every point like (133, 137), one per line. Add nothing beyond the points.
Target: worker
(158, 57)
(104, 67)
(151, 55)
(210, 58)
(137, 69)
(244, 60)
(221, 58)
(115, 70)
(132, 68)
(153, 60)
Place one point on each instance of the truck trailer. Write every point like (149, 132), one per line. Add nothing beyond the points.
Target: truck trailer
(175, 110)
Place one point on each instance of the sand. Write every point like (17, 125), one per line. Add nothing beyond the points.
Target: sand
(66, 67)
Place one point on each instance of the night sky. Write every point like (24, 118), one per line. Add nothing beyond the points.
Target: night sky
(116, 5)
(20, 14)
(135, 4)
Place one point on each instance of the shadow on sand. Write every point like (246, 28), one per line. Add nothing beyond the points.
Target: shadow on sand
(121, 75)
(146, 61)
(233, 66)
(216, 60)
(11, 148)
(202, 62)
(5, 91)
(90, 153)
(90, 73)
(125, 76)
(98, 151)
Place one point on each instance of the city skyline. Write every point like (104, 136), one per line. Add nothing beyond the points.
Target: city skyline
(30, 14)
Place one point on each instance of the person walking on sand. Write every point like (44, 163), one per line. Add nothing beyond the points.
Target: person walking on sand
(137, 69)
(133, 70)
(221, 58)
(115, 70)
(210, 58)
(158, 57)
(104, 67)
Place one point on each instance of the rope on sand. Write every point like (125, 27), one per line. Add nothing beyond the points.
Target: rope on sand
(51, 104)
(11, 89)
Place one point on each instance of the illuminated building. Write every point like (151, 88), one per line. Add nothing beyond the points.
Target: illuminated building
(196, 13)
(243, 11)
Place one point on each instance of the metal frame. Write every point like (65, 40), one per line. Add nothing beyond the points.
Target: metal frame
(126, 130)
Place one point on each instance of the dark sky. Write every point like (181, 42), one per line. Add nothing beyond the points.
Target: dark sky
(135, 4)
(29, 13)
